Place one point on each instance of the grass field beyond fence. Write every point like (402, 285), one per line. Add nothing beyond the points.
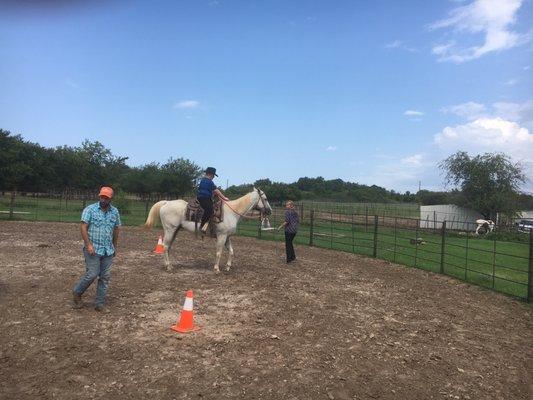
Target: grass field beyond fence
(504, 266)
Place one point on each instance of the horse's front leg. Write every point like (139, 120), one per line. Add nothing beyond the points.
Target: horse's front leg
(229, 247)
(221, 240)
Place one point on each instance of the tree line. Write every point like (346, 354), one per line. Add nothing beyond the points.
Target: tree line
(489, 183)
(30, 167)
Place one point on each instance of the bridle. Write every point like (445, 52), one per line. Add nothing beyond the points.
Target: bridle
(262, 213)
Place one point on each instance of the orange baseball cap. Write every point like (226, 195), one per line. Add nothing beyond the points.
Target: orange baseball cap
(106, 191)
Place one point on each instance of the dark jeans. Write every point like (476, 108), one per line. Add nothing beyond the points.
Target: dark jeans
(289, 248)
(207, 205)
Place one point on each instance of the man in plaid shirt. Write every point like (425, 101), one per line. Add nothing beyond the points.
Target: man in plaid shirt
(99, 230)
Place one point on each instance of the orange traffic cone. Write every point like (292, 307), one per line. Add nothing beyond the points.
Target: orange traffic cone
(186, 323)
(159, 248)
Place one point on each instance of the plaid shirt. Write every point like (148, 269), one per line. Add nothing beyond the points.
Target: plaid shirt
(101, 226)
(292, 220)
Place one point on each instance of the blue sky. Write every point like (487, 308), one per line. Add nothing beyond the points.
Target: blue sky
(375, 92)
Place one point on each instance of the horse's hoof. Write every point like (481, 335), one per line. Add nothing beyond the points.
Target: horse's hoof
(228, 267)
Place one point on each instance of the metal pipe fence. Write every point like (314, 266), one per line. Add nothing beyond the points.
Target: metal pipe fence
(501, 264)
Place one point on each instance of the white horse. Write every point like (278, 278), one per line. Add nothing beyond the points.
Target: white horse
(172, 215)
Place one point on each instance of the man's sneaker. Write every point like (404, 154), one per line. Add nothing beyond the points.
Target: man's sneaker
(99, 307)
(76, 298)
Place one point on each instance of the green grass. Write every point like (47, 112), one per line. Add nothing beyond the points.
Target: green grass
(499, 265)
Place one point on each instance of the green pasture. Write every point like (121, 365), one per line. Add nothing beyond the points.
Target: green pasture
(499, 265)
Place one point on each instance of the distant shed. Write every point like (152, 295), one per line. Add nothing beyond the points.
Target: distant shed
(457, 218)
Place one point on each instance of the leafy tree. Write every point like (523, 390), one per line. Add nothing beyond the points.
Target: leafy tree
(489, 183)
(179, 177)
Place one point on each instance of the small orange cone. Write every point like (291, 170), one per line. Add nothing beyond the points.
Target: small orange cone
(186, 322)
(159, 248)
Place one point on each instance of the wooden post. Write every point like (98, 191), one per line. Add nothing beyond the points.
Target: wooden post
(530, 274)
(395, 240)
(494, 263)
(375, 251)
(353, 234)
(311, 226)
(442, 246)
(466, 257)
(12, 203)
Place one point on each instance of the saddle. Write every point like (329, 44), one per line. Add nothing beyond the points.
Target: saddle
(194, 213)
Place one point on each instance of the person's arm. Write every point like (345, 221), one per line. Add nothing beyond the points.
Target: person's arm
(284, 224)
(85, 237)
(220, 194)
(115, 239)
(118, 223)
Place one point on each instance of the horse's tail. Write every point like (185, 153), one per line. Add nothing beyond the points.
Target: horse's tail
(154, 213)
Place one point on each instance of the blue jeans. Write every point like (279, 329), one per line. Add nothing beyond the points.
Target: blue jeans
(95, 267)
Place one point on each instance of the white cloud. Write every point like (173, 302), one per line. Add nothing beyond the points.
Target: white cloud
(470, 110)
(398, 44)
(188, 104)
(492, 18)
(518, 112)
(511, 82)
(331, 148)
(414, 160)
(488, 135)
(413, 113)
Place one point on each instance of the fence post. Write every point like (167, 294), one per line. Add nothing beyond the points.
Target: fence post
(395, 234)
(466, 258)
(530, 274)
(353, 233)
(311, 226)
(375, 252)
(331, 230)
(12, 203)
(494, 263)
(442, 246)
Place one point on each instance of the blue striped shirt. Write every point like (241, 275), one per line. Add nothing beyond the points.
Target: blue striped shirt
(101, 226)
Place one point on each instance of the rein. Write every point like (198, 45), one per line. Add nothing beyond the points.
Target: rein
(244, 215)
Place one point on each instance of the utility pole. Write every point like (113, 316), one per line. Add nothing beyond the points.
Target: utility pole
(419, 185)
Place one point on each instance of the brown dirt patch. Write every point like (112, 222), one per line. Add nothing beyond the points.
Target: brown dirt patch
(332, 326)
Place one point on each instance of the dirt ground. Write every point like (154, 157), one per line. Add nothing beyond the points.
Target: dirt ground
(332, 326)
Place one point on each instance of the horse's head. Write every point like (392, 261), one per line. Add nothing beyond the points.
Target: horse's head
(262, 204)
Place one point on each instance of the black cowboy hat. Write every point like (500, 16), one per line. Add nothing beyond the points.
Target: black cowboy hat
(211, 170)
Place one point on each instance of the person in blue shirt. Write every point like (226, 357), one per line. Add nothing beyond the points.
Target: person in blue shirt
(206, 189)
(99, 231)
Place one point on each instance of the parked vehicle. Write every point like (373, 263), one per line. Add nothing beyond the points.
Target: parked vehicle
(525, 225)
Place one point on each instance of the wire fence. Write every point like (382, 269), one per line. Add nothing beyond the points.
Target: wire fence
(504, 265)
